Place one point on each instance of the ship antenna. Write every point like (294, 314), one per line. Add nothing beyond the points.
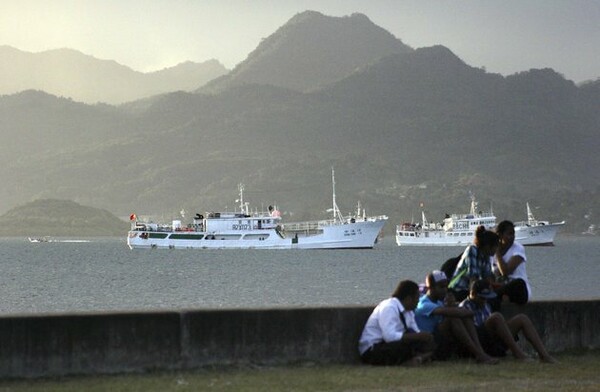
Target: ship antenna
(336, 211)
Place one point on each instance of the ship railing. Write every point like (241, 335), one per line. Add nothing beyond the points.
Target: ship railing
(142, 226)
(318, 224)
(238, 214)
(307, 226)
(407, 226)
(535, 222)
(471, 216)
(373, 218)
(522, 223)
(432, 227)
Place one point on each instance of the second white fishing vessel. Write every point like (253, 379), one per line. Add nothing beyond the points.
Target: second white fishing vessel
(535, 232)
(459, 230)
(454, 230)
(244, 229)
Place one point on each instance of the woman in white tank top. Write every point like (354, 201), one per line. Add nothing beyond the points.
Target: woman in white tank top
(510, 266)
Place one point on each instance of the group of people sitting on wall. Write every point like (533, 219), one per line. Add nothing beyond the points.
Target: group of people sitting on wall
(458, 315)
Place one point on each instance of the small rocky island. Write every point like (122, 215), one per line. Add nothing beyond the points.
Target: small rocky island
(60, 218)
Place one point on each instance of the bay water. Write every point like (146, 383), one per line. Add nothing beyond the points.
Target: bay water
(105, 275)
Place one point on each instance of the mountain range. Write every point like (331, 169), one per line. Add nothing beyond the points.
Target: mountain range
(70, 73)
(402, 127)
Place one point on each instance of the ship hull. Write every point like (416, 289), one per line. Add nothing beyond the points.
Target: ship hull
(539, 235)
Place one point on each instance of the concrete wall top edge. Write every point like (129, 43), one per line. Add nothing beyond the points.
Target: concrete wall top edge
(183, 311)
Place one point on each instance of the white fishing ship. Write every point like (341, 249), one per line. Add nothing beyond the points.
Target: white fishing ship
(245, 229)
(591, 230)
(459, 230)
(535, 232)
(48, 239)
(454, 230)
(39, 239)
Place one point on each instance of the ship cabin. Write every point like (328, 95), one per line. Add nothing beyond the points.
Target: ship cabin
(214, 222)
(235, 221)
(469, 222)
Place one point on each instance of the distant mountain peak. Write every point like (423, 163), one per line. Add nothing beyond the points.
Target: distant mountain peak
(313, 50)
(304, 16)
(309, 16)
(439, 53)
(65, 50)
(360, 16)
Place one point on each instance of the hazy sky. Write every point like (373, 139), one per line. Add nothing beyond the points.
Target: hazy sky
(504, 36)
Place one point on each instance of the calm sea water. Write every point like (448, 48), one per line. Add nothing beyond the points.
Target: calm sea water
(105, 275)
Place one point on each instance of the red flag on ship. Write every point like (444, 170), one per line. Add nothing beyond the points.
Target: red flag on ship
(132, 217)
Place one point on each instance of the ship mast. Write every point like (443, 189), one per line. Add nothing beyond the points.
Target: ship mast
(336, 211)
(530, 217)
(473, 204)
(243, 206)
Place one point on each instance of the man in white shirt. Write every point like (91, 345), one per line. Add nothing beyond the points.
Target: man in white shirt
(391, 335)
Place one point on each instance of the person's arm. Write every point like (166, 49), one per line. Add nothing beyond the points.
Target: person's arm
(452, 311)
(417, 337)
(507, 268)
(414, 334)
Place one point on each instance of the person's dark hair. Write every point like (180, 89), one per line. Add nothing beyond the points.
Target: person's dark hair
(504, 226)
(406, 288)
(484, 237)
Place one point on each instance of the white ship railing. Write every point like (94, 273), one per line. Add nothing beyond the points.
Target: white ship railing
(315, 225)
(471, 216)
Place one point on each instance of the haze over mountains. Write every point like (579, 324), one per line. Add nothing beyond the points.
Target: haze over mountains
(400, 125)
(69, 73)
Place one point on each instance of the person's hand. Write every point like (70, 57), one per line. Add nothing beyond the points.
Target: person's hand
(502, 248)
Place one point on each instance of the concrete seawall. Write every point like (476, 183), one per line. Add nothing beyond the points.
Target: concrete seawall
(101, 343)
